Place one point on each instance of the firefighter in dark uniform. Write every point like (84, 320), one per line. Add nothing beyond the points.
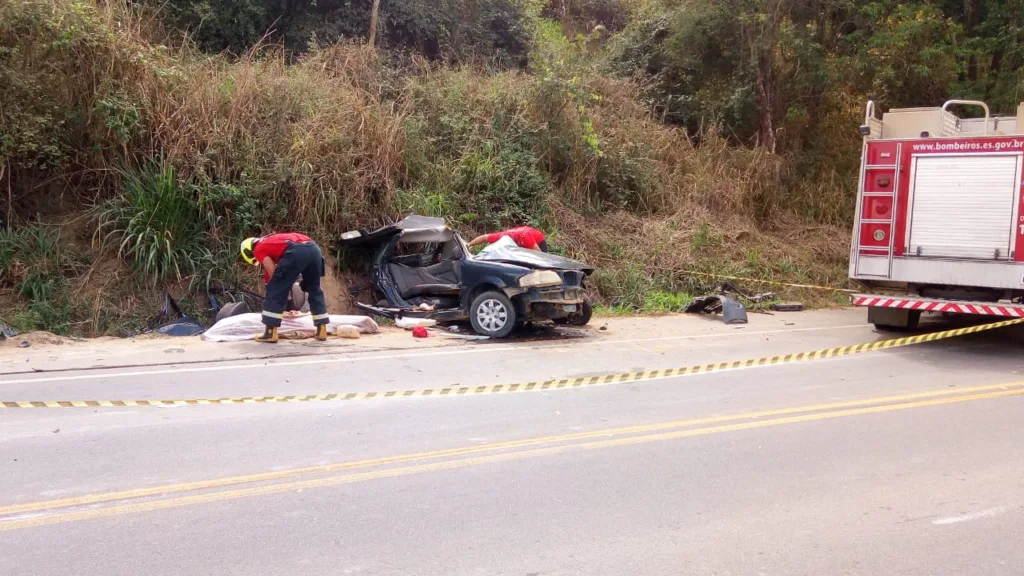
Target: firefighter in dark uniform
(284, 257)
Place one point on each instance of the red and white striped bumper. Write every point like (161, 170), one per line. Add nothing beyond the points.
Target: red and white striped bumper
(929, 305)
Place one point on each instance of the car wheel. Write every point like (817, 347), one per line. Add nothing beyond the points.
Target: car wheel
(232, 309)
(492, 314)
(585, 314)
(580, 318)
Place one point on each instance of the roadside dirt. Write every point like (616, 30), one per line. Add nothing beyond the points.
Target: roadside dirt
(49, 353)
(37, 339)
(336, 290)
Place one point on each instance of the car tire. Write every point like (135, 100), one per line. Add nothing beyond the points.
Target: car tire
(231, 309)
(586, 313)
(581, 318)
(492, 314)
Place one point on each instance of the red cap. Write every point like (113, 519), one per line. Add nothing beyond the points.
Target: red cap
(419, 332)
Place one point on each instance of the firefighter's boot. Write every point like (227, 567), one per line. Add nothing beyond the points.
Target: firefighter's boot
(269, 336)
(321, 332)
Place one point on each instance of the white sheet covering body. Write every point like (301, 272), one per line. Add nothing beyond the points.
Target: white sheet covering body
(248, 326)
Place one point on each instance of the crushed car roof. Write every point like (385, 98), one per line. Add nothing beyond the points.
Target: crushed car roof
(507, 252)
(413, 228)
(424, 229)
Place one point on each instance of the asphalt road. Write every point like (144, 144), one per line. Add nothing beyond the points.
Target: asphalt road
(905, 461)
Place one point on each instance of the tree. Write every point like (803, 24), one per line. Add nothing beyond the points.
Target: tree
(373, 23)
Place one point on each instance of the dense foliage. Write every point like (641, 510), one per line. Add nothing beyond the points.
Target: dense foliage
(498, 31)
(775, 71)
(139, 141)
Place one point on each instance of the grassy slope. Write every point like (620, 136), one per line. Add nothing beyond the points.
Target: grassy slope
(346, 138)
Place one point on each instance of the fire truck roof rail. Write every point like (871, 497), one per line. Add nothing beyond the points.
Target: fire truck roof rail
(872, 125)
(945, 108)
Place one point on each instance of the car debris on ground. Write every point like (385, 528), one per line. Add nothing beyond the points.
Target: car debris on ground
(6, 331)
(408, 323)
(171, 321)
(732, 311)
(456, 336)
(787, 307)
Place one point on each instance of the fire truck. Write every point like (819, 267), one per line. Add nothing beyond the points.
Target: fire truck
(939, 226)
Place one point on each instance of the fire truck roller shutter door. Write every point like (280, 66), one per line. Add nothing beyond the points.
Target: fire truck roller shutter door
(964, 206)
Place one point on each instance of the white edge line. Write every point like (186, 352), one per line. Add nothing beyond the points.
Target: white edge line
(521, 390)
(269, 363)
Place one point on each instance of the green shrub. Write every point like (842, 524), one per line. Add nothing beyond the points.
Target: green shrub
(665, 302)
(500, 183)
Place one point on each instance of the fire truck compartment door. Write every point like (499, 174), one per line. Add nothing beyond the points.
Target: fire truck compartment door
(964, 206)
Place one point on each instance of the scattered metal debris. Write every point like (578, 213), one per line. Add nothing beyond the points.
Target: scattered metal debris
(6, 331)
(462, 336)
(732, 311)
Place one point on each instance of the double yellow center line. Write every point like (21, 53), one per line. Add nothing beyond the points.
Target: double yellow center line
(109, 504)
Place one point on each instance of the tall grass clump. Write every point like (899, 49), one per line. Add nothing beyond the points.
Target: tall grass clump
(155, 223)
(32, 263)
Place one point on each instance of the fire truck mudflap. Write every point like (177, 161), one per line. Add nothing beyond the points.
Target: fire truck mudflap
(939, 225)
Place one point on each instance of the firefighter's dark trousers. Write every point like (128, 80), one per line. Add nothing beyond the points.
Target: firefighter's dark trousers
(299, 258)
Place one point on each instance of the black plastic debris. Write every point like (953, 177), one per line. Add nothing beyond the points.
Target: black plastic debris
(181, 328)
(787, 307)
(732, 311)
(173, 322)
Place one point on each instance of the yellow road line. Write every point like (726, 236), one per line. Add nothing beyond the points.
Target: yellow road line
(478, 460)
(513, 444)
(553, 384)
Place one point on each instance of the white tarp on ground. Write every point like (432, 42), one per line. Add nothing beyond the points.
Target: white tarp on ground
(249, 326)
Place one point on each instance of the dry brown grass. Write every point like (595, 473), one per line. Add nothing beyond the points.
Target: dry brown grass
(325, 143)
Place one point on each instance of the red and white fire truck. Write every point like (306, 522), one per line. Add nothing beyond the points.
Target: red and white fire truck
(939, 225)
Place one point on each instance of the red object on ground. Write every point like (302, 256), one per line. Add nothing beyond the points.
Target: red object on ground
(419, 332)
(524, 237)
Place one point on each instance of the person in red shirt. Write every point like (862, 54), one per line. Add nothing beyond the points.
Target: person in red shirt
(284, 257)
(523, 236)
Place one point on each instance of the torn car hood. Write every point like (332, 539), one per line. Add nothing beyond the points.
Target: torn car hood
(500, 252)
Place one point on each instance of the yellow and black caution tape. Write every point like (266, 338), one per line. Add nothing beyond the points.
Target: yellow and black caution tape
(553, 384)
(769, 282)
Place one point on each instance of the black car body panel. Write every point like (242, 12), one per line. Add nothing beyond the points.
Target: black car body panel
(441, 281)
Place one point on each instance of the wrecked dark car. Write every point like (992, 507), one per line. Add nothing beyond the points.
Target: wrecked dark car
(424, 269)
